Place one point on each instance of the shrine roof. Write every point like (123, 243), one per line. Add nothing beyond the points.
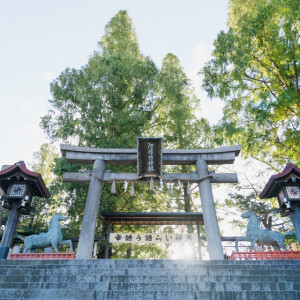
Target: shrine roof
(19, 169)
(276, 181)
(153, 218)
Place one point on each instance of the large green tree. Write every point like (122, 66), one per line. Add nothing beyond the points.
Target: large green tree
(255, 69)
(176, 118)
(107, 103)
(177, 122)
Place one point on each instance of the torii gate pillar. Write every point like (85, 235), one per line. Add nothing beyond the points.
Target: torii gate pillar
(87, 233)
(213, 237)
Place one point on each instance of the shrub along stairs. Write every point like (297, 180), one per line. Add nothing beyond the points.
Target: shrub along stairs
(150, 279)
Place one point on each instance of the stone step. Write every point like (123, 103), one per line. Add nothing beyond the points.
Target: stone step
(150, 263)
(150, 279)
(64, 294)
(202, 286)
(205, 286)
(150, 271)
(96, 268)
(146, 271)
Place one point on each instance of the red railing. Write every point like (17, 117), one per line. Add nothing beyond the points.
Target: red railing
(265, 255)
(42, 255)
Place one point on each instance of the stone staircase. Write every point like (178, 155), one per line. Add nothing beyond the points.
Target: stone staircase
(150, 279)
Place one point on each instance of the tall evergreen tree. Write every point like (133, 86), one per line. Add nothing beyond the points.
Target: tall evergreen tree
(176, 120)
(176, 114)
(107, 103)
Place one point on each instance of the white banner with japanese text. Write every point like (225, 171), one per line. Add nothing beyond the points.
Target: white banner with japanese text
(153, 238)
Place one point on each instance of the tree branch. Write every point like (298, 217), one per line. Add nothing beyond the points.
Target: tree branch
(296, 71)
(268, 164)
(262, 81)
(269, 68)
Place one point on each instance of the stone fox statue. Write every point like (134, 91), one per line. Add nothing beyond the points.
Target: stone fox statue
(51, 238)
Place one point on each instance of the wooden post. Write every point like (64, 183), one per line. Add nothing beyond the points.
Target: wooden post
(107, 240)
(87, 233)
(199, 240)
(295, 216)
(9, 233)
(213, 237)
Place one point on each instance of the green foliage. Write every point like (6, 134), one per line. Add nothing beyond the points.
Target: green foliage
(43, 209)
(176, 116)
(176, 121)
(43, 162)
(255, 69)
(108, 102)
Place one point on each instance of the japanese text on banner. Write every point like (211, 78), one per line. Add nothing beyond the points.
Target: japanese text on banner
(153, 238)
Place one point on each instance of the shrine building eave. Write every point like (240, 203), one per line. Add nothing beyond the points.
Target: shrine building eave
(18, 171)
(276, 181)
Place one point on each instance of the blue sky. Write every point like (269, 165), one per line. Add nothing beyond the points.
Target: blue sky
(39, 39)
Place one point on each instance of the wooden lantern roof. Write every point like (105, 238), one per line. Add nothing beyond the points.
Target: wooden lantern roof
(17, 172)
(276, 182)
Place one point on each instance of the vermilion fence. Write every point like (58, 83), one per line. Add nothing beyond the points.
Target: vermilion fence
(265, 255)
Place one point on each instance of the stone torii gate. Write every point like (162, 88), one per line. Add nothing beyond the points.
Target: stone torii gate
(100, 157)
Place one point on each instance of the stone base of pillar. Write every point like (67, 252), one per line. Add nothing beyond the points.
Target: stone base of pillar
(4, 252)
(16, 249)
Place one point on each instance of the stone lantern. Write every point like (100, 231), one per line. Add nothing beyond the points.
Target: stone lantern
(286, 187)
(19, 185)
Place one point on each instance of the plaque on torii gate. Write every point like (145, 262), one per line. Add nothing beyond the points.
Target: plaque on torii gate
(100, 157)
(149, 157)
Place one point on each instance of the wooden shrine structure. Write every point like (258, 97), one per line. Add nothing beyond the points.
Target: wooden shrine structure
(100, 157)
